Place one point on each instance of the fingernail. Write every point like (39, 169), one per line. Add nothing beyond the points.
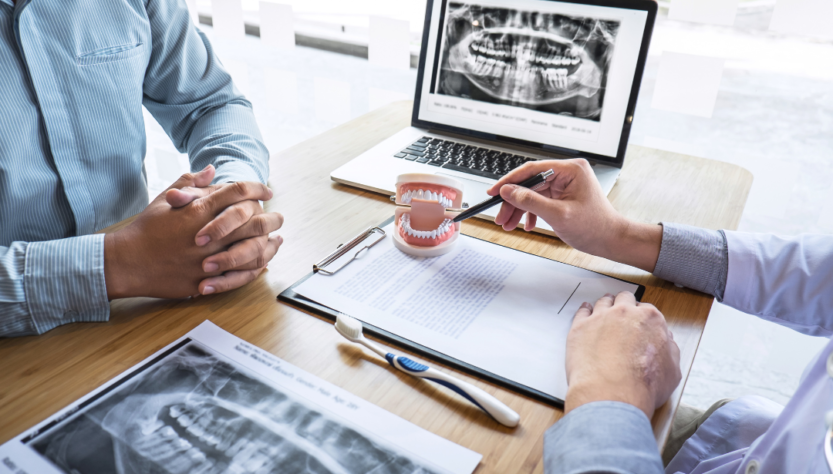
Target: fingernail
(271, 194)
(210, 267)
(202, 240)
(206, 167)
(608, 295)
(208, 290)
(586, 305)
(280, 240)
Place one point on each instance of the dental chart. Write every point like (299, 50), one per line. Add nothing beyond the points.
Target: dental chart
(212, 403)
(501, 310)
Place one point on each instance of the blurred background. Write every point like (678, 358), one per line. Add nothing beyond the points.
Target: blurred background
(742, 81)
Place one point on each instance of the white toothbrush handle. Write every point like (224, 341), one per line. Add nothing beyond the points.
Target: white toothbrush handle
(491, 405)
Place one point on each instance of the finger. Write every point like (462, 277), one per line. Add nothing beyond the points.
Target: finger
(584, 311)
(625, 298)
(531, 221)
(199, 179)
(247, 254)
(261, 224)
(514, 220)
(227, 221)
(521, 173)
(228, 281)
(605, 301)
(505, 212)
(234, 193)
(184, 196)
(529, 200)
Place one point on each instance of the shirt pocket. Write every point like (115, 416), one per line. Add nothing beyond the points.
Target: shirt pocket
(110, 54)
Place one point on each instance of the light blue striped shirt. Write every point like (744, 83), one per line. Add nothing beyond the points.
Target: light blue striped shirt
(74, 75)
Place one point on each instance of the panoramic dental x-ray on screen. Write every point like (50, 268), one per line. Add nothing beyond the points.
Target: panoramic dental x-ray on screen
(541, 61)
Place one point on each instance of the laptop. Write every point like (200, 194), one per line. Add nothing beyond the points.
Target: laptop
(504, 82)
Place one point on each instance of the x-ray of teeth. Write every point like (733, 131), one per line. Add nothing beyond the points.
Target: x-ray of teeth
(195, 413)
(541, 61)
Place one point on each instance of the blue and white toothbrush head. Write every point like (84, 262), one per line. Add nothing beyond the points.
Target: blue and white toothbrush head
(351, 329)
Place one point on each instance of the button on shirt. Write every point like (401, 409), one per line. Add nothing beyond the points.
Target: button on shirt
(74, 76)
(786, 280)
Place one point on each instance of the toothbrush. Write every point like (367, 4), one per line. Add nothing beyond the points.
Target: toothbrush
(351, 329)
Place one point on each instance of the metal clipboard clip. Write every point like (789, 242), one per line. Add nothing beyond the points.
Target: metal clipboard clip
(343, 249)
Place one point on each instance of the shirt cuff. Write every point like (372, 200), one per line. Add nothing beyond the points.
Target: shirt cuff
(602, 437)
(694, 258)
(233, 171)
(64, 281)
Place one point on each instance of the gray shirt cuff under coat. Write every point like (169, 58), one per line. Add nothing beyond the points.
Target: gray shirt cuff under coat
(694, 258)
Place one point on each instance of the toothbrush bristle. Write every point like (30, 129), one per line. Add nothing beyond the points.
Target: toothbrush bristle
(350, 328)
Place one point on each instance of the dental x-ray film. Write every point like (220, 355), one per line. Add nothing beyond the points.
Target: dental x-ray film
(541, 61)
(212, 403)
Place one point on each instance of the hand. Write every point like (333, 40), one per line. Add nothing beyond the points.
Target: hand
(621, 350)
(573, 204)
(244, 260)
(156, 254)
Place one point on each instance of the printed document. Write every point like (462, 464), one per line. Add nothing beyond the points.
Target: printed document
(499, 309)
(212, 403)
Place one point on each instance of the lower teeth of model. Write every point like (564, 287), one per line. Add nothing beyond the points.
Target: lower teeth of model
(405, 223)
(426, 195)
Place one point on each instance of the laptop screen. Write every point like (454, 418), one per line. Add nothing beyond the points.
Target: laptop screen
(561, 76)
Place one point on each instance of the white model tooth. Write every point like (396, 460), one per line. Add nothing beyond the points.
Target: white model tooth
(420, 194)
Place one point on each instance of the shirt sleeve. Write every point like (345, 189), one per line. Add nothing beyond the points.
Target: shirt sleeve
(46, 284)
(194, 99)
(694, 258)
(602, 437)
(786, 280)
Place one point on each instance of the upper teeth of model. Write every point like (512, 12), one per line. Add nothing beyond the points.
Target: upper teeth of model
(405, 224)
(426, 195)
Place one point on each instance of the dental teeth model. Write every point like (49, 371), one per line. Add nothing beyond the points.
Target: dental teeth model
(424, 228)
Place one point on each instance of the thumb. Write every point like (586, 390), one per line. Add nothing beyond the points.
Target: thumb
(200, 179)
(528, 200)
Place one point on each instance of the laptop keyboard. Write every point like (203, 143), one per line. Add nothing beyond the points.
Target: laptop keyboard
(461, 157)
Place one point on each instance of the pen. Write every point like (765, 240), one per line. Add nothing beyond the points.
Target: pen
(532, 183)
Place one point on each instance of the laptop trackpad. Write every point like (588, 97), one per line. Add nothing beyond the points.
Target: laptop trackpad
(474, 192)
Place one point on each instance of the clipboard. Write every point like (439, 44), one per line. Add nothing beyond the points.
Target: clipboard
(364, 242)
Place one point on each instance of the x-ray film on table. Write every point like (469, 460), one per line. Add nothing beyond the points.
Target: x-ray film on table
(501, 310)
(212, 403)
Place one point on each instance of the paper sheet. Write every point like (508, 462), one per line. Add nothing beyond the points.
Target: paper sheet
(212, 403)
(499, 309)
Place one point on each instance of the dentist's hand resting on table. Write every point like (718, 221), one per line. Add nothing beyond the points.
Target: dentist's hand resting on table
(195, 238)
(618, 349)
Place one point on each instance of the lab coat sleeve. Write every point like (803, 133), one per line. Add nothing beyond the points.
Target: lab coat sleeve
(786, 280)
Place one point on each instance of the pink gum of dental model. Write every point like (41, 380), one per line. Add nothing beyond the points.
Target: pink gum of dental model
(425, 229)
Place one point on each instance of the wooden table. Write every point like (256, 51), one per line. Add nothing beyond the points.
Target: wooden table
(40, 375)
